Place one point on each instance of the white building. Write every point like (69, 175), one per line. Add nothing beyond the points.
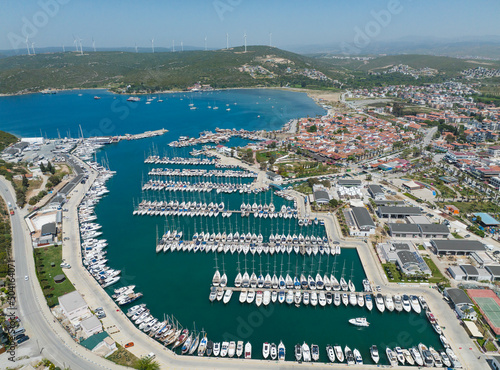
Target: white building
(74, 307)
(91, 326)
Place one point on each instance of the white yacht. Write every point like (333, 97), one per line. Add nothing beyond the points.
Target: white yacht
(374, 354)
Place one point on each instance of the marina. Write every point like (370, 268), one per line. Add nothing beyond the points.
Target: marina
(171, 288)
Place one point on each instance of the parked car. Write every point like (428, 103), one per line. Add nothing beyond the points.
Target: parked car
(23, 339)
(129, 344)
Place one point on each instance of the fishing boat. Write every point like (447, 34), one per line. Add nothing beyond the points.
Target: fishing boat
(265, 350)
(239, 348)
(248, 350)
(374, 354)
(281, 351)
(331, 353)
(359, 321)
(338, 353)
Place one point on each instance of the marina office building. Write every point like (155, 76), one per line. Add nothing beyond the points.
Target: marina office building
(456, 247)
(406, 257)
(397, 212)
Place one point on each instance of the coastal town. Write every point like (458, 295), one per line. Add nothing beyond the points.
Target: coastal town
(362, 179)
(234, 185)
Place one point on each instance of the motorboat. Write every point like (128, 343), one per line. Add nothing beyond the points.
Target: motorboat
(224, 349)
(216, 349)
(239, 348)
(453, 358)
(391, 356)
(408, 357)
(315, 352)
(379, 301)
(338, 353)
(399, 355)
(359, 321)
(349, 356)
(281, 351)
(265, 350)
(374, 354)
(398, 304)
(248, 350)
(389, 303)
(232, 349)
(331, 353)
(426, 355)
(438, 361)
(274, 351)
(298, 352)
(416, 356)
(357, 357)
(415, 305)
(406, 303)
(445, 358)
(306, 352)
(369, 301)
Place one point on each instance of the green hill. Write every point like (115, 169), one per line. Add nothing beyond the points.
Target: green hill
(154, 71)
(446, 65)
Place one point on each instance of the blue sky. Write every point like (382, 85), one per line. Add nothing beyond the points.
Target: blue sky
(124, 23)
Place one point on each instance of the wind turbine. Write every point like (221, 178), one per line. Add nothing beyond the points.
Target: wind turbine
(227, 41)
(64, 50)
(33, 47)
(136, 47)
(205, 43)
(182, 46)
(153, 45)
(93, 44)
(81, 48)
(75, 42)
(270, 39)
(245, 37)
(27, 46)
(173, 46)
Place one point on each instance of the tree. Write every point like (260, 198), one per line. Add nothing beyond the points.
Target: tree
(333, 202)
(313, 128)
(449, 138)
(147, 363)
(25, 181)
(42, 167)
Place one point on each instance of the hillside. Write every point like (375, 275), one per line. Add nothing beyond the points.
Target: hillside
(157, 71)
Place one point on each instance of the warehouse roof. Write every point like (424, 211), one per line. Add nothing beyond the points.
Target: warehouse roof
(362, 217)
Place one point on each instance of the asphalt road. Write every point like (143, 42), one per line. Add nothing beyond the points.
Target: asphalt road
(53, 341)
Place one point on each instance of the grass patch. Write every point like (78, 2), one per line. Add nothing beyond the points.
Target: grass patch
(457, 236)
(303, 188)
(392, 273)
(437, 276)
(421, 248)
(44, 257)
(411, 196)
(122, 357)
(474, 206)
